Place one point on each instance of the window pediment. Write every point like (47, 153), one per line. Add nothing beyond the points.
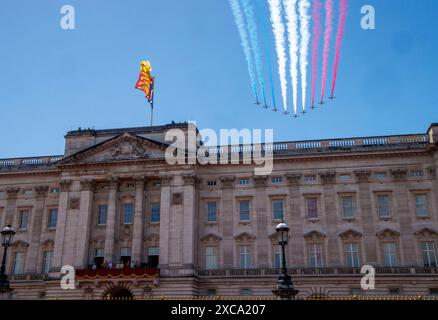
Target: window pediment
(48, 243)
(426, 233)
(314, 235)
(350, 234)
(211, 237)
(387, 233)
(20, 244)
(245, 237)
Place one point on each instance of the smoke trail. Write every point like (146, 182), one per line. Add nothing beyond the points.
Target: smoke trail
(278, 30)
(266, 50)
(327, 34)
(238, 17)
(292, 30)
(303, 8)
(252, 30)
(341, 23)
(316, 35)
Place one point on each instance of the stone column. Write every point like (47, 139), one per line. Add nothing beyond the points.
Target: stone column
(61, 225)
(402, 213)
(296, 242)
(369, 230)
(227, 210)
(11, 205)
(189, 221)
(37, 226)
(164, 221)
(111, 221)
(262, 216)
(84, 223)
(137, 238)
(330, 220)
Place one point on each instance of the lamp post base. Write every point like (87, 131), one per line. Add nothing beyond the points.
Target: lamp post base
(285, 293)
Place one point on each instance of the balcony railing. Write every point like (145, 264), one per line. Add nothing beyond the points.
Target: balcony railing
(115, 273)
(314, 271)
(28, 163)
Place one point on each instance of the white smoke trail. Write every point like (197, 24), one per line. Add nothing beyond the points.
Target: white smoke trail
(303, 8)
(278, 30)
(248, 10)
(240, 22)
(292, 30)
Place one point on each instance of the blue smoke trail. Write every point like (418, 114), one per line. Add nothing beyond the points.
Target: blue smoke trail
(252, 30)
(264, 42)
(238, 18)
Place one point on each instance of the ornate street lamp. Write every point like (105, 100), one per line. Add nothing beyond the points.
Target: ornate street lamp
(7, 237)
(285, 287)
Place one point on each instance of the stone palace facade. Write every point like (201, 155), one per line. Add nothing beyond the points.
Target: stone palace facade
(132, 225)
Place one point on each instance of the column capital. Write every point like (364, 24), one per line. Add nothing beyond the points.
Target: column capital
(399, 173)
(227, 181)
(41, 191)
(113, 182)
(293, 178)
(190, 179)
(65, 185)
(432, 171)
(260, 181)
(165, 180)
(87, 184)
(328, 177)
(362, 175)
(12, 192)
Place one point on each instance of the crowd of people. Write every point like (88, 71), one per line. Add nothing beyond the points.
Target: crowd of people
(120, 265)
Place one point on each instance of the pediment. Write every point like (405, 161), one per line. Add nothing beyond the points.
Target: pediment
(426, 233)
(387, 233)
(122, 147)
(48, 243)
(245, 236)
(20, 244)
(350, 234)
(211, 237)
(314, 235)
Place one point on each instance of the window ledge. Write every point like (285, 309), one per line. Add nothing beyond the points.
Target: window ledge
(245, 222)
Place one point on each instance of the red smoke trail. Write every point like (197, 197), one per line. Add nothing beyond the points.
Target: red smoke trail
(327, 34)
(316, 35)
(343, 14)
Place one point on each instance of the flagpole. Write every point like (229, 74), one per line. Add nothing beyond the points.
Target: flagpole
(152, 115)
(152, 104)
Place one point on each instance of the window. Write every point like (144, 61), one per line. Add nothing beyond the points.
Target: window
(421, 206)
(380, 175)
(245, 257)
(102, 214)
(417, 173)
(383, 206)
(98, 257)
(53, 218)
(23, 219)
(312, 208)
(244, 210)
(352, 255)
(211, 211)
(155, 212)
(309, 178)
(153, 256)
(277, 180)
(394, 290)
(428, 252)
(277, 257)
(55, 190)
(315, 255)
(277, 208)
(210, 258)
(211, 292)
(390, 254)
(128, 213)
(344, 177)
(347, 207)
(211, 183)
(433, 291)
(356, 291)
(125, 255)
(47, 261)
(156, 183)
(244, 181)
(18, 263)
(245, 292)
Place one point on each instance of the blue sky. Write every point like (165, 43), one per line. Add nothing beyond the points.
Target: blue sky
(53, 80)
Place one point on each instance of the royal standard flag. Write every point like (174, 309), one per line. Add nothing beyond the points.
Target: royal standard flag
(145, 81)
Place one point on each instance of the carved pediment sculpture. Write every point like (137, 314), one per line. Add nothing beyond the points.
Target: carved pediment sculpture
(211, 237)
(426, 233)
(350, 234)
(127, 151)
(387, 233)
(314, 235)
(245, 237)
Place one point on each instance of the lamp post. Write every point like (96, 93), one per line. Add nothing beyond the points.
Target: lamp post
(285, 287)
(7, 237)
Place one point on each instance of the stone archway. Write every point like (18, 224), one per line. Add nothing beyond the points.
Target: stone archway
(118, 293)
